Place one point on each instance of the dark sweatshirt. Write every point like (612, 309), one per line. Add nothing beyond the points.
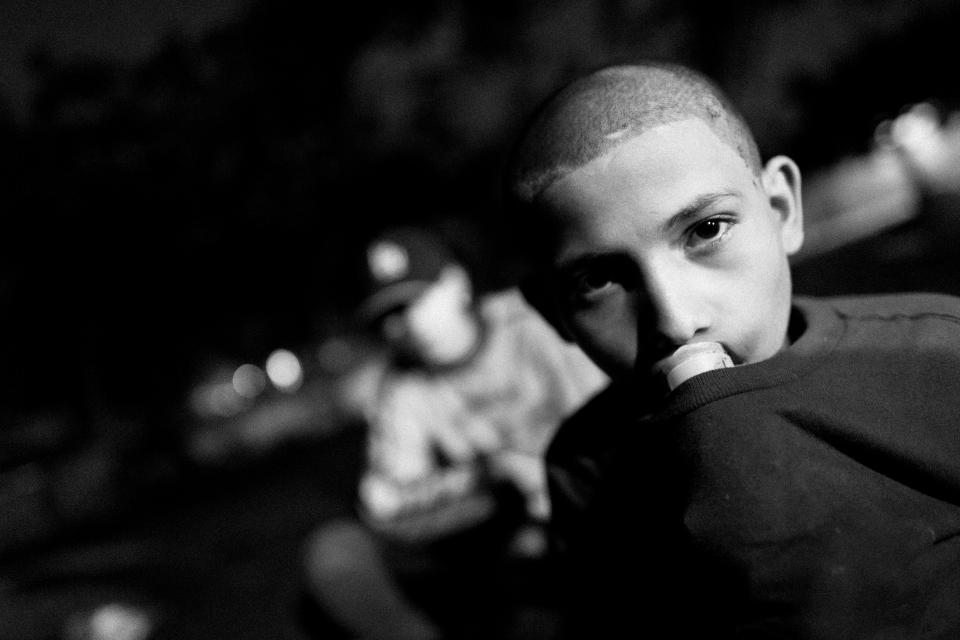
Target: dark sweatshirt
(812, 495)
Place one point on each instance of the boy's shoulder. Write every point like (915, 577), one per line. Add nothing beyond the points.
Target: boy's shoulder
(599, 423)
(896, 305)
(509, 315)
(594, 427)
(507, 307)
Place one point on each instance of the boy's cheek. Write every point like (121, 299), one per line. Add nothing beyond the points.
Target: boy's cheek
(607, 337)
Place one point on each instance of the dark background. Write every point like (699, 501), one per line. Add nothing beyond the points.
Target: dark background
(205, 194)
(187, 182)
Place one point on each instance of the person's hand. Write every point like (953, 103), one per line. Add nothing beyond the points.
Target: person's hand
(527, 472)
(426, 509)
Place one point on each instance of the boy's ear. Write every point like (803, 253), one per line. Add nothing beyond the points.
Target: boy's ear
(539, 296)
(781, 183)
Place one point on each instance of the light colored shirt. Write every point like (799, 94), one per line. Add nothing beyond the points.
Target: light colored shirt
(427, 430)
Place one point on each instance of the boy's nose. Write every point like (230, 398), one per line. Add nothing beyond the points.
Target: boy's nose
(675, 308)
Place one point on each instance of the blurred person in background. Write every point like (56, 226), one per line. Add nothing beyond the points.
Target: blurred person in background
(459, 415)
(926, 139)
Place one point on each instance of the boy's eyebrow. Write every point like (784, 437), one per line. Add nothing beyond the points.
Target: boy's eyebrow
(570, 266)
(695, 207)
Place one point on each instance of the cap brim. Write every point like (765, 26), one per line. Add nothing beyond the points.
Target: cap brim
(390, 297)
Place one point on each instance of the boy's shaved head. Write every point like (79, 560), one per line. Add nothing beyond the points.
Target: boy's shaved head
(592, 115)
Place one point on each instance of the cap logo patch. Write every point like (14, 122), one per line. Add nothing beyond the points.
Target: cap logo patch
(388, 261)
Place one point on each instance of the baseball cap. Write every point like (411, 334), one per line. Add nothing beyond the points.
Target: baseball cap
(399, 265)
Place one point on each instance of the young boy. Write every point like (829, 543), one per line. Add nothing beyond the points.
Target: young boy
(802, 482)
(453, 485)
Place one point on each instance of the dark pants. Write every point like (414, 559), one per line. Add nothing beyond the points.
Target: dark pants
(466, 585)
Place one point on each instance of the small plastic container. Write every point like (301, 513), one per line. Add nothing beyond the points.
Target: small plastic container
(691, 360)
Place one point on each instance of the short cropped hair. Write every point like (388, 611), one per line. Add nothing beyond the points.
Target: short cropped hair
(595, 113)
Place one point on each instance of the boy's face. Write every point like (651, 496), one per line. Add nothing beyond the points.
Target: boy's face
(670, 239)
(439, 327)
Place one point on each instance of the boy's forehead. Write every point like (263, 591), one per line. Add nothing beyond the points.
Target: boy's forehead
(654, 173)
(666, 142)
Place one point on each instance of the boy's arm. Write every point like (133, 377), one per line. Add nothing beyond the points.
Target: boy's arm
(424, 476)
(426, 508)
(525, 471)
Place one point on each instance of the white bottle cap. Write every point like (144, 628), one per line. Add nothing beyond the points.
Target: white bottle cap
(691, 360)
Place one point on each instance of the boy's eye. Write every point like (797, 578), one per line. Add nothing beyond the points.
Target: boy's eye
(588, 285)
(708, 231)
(596, 280)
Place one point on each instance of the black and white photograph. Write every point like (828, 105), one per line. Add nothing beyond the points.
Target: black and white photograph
(479, 320)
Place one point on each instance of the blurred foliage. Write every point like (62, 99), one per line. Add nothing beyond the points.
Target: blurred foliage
(212, 198)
